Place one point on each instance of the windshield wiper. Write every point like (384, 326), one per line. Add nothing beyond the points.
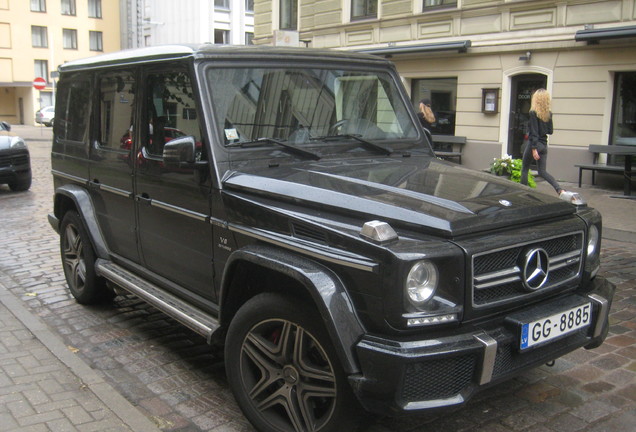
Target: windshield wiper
(290, 148)
(368, 144)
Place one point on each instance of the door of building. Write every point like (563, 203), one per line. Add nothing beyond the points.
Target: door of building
(522, 87)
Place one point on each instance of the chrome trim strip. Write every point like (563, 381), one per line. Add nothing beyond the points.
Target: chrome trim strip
(352, 263)
(498, 274)
(69, 176)
(115, 190)
(179, 210)
(490, 354)
(603, 306)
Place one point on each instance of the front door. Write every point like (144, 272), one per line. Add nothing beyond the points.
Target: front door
(523, 86)
(173, 202)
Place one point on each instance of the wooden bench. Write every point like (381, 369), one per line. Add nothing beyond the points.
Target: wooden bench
(596, 166)
(449, 146)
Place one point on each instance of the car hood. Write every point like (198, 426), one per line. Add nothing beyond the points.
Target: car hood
(418, 193)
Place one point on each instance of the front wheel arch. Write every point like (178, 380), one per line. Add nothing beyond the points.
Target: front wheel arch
(293, 275)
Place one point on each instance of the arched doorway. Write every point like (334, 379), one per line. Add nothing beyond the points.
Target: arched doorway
(521, 88)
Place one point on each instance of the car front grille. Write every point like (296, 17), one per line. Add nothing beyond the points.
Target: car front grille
(13, 160)
(498, 275)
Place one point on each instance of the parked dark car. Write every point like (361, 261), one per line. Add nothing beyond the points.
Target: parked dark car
(15, 162)
(314, 234)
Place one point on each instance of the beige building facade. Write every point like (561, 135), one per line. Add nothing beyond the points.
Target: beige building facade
(479, 61)
(36, 36)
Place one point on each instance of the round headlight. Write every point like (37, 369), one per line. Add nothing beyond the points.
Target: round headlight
(592, 240)
(421, 282)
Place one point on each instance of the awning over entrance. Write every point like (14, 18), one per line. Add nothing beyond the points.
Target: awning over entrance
(459, 46)
(593, 36)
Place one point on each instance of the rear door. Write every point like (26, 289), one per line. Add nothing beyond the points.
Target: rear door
(111, 160)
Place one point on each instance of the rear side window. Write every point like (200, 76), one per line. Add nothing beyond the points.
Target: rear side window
(116, 106)
(72, 109)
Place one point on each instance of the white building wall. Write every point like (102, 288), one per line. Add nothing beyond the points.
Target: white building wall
(194, 21)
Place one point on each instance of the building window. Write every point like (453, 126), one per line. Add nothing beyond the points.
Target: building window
(428, 4)
(94, 8)
(41, 69)
(221, 37)
(624, 109)
(288, 14)
(39, 37)
(221, 4)
(69, 39)
(95, 41)
(38, 5)
(362, 9)
(442, 92)
(249, 6)
(249, 38)
(68, 7)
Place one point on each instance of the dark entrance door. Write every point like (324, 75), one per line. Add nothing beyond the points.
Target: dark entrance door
(522, 88)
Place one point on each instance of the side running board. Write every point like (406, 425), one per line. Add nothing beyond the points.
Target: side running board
(191, 317)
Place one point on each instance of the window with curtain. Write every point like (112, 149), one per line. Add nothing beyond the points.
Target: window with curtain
(95, 41)
(95, 8)
(38, 5)
(362, 9)
(68, 7)
(39, 38)
(221, 37)
(437, 3)
(41, 69)
(69, 38)
(289, 14)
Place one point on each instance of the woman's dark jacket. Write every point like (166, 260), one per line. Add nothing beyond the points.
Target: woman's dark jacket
(538, 132)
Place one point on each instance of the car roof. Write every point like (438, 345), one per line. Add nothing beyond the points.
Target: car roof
(213, 51)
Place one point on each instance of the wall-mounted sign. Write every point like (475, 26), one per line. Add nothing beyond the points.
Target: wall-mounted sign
(490, 100)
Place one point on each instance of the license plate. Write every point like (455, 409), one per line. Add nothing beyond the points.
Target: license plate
(555, 326)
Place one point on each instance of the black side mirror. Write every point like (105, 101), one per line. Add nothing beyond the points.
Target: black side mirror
(179, 150)
(6, 126)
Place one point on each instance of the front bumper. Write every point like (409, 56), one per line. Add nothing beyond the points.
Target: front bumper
(416, 375)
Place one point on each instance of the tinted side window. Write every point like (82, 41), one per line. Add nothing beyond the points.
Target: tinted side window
(171, 110)
(116, 106)
(73, 109)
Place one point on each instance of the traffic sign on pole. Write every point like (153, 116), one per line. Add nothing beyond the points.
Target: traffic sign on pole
(39, 83)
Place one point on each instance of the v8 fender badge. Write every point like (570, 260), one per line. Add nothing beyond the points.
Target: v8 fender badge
(505, 203)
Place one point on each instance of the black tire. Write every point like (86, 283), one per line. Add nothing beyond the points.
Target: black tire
(20, 185)
(283, 370)
(78, 261)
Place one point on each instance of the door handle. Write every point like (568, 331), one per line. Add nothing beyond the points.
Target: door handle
(144, 198)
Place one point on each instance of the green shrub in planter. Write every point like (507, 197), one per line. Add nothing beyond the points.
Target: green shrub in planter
(511, 168)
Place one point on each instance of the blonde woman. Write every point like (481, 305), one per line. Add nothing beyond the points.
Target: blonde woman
(426, 116)
(539, 127)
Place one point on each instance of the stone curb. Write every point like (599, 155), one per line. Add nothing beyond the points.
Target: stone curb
(114, 401)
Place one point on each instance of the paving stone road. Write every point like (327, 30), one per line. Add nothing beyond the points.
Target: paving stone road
(169, 374)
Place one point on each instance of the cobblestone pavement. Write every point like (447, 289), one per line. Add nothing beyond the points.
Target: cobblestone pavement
(177, 382)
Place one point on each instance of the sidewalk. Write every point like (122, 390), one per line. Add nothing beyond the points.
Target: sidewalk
(45, 387)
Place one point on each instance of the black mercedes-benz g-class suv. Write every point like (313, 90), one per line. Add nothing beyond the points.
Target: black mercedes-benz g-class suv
(287, 204)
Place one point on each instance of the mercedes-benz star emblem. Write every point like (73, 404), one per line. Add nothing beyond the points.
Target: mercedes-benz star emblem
(505, 203)
(536, 267)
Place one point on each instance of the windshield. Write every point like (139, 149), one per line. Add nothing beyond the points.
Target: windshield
(307, 107)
